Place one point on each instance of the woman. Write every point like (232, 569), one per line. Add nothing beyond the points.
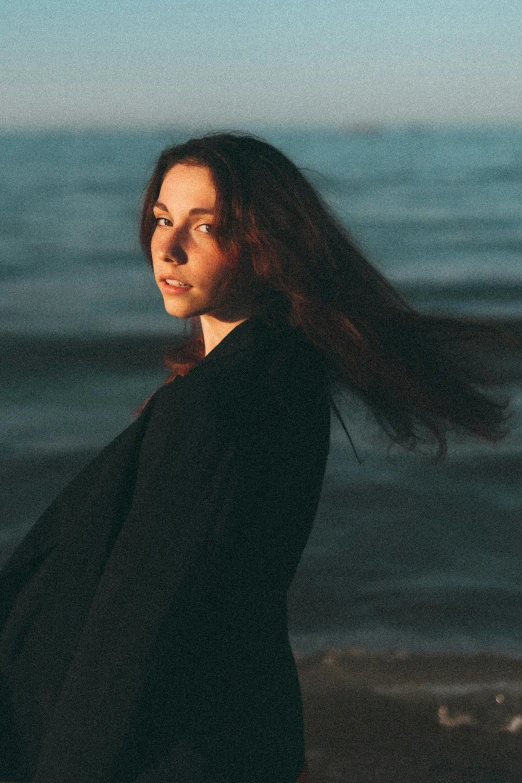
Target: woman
(144, 632)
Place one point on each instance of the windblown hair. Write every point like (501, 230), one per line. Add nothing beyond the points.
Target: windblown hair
(408, 367)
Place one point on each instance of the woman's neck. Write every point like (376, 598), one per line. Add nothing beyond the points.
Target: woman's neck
(214, 330)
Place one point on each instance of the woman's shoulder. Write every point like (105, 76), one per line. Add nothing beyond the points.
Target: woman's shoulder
(257, 363)
(255, 350)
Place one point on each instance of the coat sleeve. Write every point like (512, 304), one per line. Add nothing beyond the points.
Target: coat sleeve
(271, 441)
(229, 466)
(103, 475)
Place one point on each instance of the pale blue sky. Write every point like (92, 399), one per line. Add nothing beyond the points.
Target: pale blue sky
(247, 63)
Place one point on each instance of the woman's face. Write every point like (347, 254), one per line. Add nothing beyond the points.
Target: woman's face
(184, 248)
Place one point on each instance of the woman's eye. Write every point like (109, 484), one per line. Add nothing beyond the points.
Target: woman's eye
(205, 227)
(159, 219)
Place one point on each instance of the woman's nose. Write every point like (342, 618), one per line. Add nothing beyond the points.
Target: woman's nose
(172, 249)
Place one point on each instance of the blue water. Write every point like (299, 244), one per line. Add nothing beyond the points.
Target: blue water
(404, 555)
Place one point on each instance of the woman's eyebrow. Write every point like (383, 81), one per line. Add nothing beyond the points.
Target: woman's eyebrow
(193, 211)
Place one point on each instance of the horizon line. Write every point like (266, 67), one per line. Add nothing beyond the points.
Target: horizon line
(362, 126)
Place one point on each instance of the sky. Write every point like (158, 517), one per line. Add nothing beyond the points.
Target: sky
(231, 63)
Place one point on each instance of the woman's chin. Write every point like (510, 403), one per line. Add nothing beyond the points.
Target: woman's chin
(180, 310)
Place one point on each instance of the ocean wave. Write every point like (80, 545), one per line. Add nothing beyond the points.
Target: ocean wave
(483, 691)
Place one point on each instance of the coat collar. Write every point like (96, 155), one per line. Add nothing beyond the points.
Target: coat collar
(253, 333)
(240, 337)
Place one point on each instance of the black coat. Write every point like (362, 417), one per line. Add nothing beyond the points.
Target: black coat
(143, 619)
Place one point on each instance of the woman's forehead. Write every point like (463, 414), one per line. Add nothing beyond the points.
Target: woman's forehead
(186, 184)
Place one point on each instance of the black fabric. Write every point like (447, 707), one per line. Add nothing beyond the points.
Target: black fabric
(143, 617)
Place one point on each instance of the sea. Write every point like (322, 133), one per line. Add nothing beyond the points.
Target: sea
(406, 556)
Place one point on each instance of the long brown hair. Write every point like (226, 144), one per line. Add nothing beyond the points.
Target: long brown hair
(408, 367)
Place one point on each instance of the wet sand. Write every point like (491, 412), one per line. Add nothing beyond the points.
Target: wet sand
(408, 718)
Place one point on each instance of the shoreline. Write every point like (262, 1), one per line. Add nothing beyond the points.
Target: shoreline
(413, 676)
(411, 718)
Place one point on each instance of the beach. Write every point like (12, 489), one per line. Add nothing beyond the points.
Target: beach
(405, 718)
(404, 613)
(396, 715)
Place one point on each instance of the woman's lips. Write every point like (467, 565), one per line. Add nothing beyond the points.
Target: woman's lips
(173, 289)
